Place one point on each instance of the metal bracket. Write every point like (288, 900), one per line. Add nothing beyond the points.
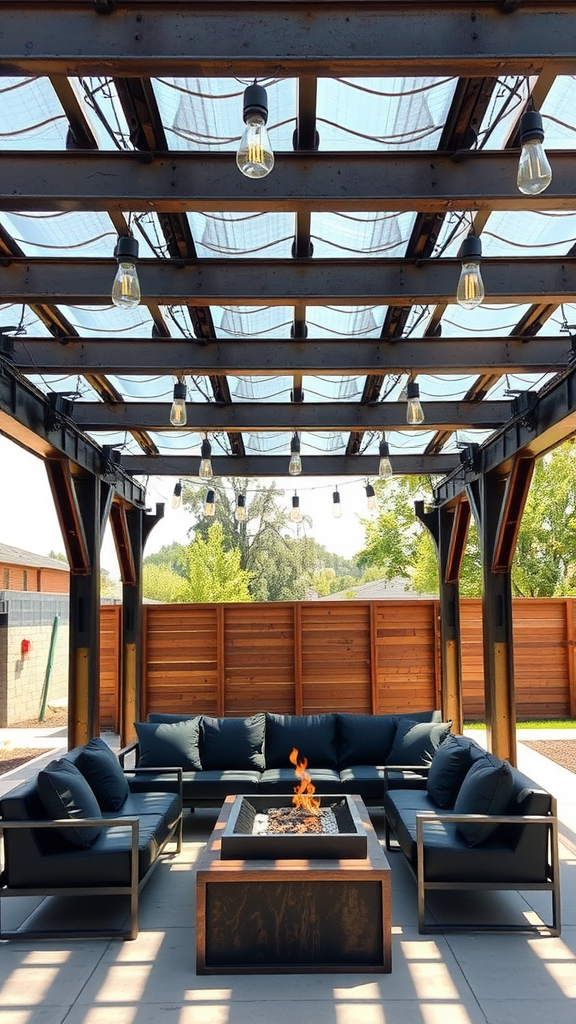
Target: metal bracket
(524, 409)
(58, 409)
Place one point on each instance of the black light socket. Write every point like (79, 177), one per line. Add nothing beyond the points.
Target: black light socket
(531, 127)
(255, 102)
(179, 390)
(126, 249)
(471, 248)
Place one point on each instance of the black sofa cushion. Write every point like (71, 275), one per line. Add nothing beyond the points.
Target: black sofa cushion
(103, 773)
(283, 780)
(486, 789)
(313, 736)
(164, 716)
(169, 744)
(416, 742)
(450, 765)
(65, 793)
(232, 743)
(364, 739)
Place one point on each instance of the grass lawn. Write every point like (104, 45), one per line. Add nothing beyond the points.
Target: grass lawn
(553, 723)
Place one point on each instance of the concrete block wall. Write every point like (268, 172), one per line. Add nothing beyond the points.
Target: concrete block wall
(30, 616)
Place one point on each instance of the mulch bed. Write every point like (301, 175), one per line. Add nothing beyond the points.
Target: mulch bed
(12, 757)
(563, 752)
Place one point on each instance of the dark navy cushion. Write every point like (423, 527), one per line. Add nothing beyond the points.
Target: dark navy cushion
(364, 739)
(169, 744)
(313, 736)
(283, 780)
(450, 764)
(233, 743)
(486, 789)
(65, 793)
(418, 716)
(416, 742)
(103, 773)
(164, 716)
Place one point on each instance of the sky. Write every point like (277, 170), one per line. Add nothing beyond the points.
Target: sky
(28, 518)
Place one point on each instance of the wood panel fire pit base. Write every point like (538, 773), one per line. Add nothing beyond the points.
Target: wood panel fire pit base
(293, 916)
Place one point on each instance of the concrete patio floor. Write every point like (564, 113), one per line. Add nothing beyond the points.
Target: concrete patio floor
(440, 979)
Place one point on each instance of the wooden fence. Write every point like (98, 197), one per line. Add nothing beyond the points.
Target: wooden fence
(362, 656)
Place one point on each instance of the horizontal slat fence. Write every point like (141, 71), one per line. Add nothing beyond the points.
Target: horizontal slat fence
(110, 639)
(366, 657)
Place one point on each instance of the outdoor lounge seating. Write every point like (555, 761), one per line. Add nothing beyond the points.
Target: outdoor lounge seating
(80, 829)
(346, 753)
(476, 823)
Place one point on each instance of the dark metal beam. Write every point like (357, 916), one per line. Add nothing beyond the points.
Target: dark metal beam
(511, 512)
(295, 416)
(334, 466)
(284, 282)
(288, 39)
(25, 418)
(319, 182)
(552, 419)
(314, 356)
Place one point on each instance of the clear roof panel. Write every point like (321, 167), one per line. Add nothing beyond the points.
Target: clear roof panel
(376, 113)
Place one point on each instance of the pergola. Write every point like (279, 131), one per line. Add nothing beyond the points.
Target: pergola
(301, 303)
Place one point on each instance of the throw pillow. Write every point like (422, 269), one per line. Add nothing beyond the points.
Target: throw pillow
(449, 767)
(486, 789)
(169, 744)
(64, 793)
(415, 742)
(233, 743)
(313, 736)
(103, 773)
(364, 739)
(164, 716)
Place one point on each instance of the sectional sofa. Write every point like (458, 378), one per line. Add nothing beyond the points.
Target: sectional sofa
(346, 753)
(81, 828)
(476, 823)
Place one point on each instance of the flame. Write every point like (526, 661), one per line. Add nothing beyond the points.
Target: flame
(303, 793)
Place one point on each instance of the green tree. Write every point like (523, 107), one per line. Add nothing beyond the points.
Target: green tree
(545, 559)
(215, 574)
(212, 574)
(161, 583)
(281, 566)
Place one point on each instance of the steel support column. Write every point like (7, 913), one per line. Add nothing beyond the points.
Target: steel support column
(449, 530)
(137, 528)
(487, 496)
(84, 669)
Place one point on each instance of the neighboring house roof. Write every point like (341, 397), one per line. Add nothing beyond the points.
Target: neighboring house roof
(28, 560)
(376, 590)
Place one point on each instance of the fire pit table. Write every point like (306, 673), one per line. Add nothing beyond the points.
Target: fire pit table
(311, 907)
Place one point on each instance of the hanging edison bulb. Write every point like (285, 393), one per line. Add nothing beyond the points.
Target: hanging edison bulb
(384, 466)
(177, 495)
(336, 505)
(370, 497)
(470, 290)
(240, 513)
(534, 171)
(255, 157)
(295, 465)
(205, 461)
(178, 415)
(414, 410)
(126, 286)
(295, 514)
(209, 504)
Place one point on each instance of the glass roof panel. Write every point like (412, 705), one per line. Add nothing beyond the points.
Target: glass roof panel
(200, 113)
(241, 235)
(32, 116)
(345, 321)
(383, 113)
(367, 234)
